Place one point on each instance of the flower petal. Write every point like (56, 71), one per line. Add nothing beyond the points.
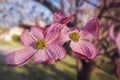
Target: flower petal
(50, 61)
(27, 39)
(53, 32)
(57, 52)
(51, 54)
(117, 41)
(111, 32)
(91, 30)
(58, 16)
(84, 50)
(40, 57)
(64, 36)
(19, 58)
(67, 19)
(37, 32)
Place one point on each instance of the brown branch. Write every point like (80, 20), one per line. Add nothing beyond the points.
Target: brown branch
(75, 22)
(105, 8)
(62, 5)
(92, 4)
(48, 5)
(114, 5)
(102, 10)
(112, 18)
(83, 69)
(71, 7)
(110, 72)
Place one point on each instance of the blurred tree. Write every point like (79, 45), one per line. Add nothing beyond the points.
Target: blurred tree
(107, 11)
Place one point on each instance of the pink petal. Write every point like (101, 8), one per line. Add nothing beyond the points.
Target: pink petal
(67, 19)
(50, 55)
(111, 32)
(91, 30)
(64, 36)
(84, 50)
(118, 70)
(57, 52)
(117, 40)
(50, 61)
(37, 32)
(41, 57)
(19, 58)
(27, 39)
(72, 30)
(53, 32)
(58, 16)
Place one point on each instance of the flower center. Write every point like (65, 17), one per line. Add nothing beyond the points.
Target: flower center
(41, 44)
(75, 36)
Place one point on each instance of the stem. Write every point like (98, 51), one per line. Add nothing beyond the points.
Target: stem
(83, 72)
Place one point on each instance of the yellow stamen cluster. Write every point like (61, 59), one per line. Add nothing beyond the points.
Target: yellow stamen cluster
(41, 44)
(75, 36)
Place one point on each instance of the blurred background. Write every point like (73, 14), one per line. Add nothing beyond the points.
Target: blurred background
(17, 15)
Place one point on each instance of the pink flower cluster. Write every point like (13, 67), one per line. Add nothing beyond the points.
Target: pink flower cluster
(45, 45)
(116, 40)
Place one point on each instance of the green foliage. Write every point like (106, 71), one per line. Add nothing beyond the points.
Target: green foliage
(101, 75)
(11, 45)
(15, 37)
(58, 71)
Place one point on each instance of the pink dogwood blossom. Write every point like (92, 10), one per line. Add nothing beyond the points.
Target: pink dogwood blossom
(115, 39)
(61, 19)
(80, 46)
(39, 44)
(111, 32)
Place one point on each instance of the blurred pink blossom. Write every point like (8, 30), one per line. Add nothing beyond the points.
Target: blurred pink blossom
(115, 39)
(111, 32)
